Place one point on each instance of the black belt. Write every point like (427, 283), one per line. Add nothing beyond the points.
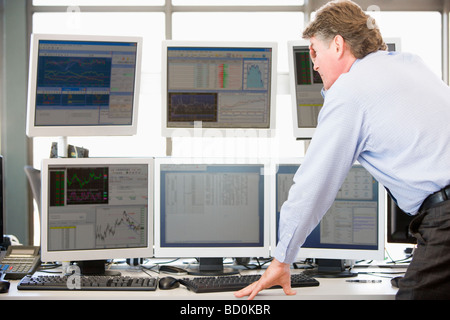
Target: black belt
(436, 198)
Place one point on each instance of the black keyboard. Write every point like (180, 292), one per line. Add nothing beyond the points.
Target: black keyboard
(233, 283)
(92, 283)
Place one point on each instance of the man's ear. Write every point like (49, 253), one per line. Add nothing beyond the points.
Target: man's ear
(339, 45)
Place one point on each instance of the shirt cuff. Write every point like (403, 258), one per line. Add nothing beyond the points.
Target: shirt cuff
(284, 252)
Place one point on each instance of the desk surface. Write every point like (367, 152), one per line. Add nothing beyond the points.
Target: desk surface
(329, 289)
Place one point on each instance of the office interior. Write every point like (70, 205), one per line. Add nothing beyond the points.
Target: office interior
(422, 26)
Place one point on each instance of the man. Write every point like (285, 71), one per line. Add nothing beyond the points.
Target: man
(389, 112)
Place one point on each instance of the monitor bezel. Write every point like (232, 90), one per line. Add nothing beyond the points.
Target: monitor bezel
(94, 254)
(196, 131)
(213, 251)
(32, 130)
(332, 253)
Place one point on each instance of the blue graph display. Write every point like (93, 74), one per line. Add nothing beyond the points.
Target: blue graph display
(74, 72)
(254, 77)
(71, 77)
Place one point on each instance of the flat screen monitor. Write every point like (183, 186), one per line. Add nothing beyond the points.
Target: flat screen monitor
(353, 228)
(211, 210)
(394, 44)
(96, 209)
(306, 86)
(83, 85)
(398, 223)
(224, 87)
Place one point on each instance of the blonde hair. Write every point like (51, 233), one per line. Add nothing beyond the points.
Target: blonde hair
(347, 19)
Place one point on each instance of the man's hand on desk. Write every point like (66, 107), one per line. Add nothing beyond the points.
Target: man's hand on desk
(276, 274)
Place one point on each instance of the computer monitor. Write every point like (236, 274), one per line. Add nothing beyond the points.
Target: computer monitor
(394, 44)
(398, 223)
(83, 85)
(353, 228)
(224, 87)
(96, 209)
(211, 210)
(306, 86)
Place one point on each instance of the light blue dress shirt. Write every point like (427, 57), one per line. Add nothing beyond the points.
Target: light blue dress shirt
(390, 113)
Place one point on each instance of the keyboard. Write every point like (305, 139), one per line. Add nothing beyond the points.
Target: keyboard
(91, 283)
(233, 283)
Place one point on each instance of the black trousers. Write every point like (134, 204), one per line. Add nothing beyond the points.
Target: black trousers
(428, 275)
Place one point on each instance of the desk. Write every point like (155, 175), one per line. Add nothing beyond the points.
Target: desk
(329, 289)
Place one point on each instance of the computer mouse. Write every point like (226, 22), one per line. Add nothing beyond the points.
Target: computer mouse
(167, 283)
(4, 286)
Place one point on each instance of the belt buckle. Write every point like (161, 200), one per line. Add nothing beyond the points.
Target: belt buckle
(446, 192)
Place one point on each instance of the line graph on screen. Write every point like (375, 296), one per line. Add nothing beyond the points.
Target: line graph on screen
(120, 226)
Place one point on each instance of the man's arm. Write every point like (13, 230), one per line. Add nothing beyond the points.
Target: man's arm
(336, 145)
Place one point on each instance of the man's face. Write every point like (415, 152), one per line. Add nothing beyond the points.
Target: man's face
(326, 60)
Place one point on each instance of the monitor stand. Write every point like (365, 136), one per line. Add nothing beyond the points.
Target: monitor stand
(330, 268)
(95, 267)
(211, 267)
